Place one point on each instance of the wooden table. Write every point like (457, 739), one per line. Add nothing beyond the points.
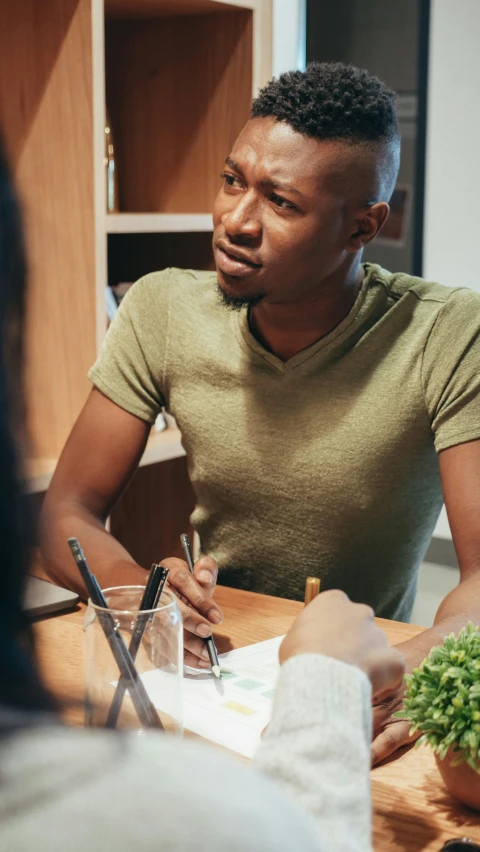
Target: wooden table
(412, 809)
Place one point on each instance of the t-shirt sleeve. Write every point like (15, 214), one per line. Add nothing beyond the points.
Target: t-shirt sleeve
(130, 369)
(451, 371)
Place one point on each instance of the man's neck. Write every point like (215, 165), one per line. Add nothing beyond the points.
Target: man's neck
(287, 328)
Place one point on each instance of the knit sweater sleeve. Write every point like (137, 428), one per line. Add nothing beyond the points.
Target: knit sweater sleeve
(317, 748)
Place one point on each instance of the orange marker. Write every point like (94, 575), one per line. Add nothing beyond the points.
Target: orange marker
(312, 588)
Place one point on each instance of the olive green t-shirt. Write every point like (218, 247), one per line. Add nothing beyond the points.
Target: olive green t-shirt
(323, 465)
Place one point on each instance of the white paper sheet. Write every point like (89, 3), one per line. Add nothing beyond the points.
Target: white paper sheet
(231, 711)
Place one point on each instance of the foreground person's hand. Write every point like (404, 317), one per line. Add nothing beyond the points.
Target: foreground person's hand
(194, 596)
(334, 626)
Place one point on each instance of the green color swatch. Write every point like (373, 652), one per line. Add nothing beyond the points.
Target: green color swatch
(248, 683)
(224, 675)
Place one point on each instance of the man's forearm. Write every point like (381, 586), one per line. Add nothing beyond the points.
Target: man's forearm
(459, 607)
(108, 560)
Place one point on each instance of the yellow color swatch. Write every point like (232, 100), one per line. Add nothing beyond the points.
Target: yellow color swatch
(239, 708)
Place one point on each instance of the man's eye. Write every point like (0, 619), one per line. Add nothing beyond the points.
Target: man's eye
(230, 180)
(282, 202)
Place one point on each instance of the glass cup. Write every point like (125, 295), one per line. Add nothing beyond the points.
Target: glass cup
(158, 661)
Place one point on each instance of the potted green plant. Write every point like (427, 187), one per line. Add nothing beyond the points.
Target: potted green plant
(442, 700)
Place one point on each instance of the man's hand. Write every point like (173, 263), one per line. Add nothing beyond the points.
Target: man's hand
(334, 626)
(199, 611)
(389, 734)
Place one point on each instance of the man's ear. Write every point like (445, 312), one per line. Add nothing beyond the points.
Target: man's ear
(367, 224)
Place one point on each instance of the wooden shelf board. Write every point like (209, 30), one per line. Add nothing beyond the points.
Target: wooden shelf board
(156, 223)
(171, 8)
(161, 446)
(39, 474)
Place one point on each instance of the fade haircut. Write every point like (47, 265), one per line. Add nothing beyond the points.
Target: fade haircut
(331, 100)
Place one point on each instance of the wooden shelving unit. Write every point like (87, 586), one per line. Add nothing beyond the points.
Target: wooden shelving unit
(178, 77)
(161, 446)
(157, 223)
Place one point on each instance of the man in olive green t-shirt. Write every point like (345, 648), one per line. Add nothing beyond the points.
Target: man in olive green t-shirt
(325, 463)
(324, 414)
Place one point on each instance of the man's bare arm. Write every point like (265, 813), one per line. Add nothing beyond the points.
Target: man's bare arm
(99, 459)
(460, 473)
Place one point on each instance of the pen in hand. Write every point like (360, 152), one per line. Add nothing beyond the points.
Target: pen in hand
(210, 644)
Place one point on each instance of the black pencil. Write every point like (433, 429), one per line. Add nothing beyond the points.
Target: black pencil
(148, 602)
(210, 644)
(145, 710)
(161, 587)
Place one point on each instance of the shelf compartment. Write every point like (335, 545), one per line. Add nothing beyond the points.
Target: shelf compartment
(178, 92)
(132, 255)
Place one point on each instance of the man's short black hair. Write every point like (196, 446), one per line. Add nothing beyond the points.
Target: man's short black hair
(331, 100)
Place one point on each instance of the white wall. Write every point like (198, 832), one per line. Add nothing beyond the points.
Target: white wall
(453, 145)
(288, 35)
(452, 188)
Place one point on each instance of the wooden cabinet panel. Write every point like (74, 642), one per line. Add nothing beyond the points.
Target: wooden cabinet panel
(154, 511)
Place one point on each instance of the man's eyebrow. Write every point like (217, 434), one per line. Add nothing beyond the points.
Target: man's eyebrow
(271, 183)
(233, 165)
(286, 187)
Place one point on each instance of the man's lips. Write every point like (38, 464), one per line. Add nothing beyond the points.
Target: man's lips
(237, 255)
(234, 267)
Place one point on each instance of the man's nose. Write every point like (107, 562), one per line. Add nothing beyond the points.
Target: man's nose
(243, 219)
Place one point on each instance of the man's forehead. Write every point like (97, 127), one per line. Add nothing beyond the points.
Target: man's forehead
(267, 145)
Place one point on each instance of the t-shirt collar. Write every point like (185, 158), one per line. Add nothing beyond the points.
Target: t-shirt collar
(321, 348)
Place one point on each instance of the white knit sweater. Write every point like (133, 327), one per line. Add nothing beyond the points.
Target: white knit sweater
(65, 790)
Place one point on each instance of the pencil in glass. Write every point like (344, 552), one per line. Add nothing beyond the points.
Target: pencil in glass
(150, 597)
(145, 710)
